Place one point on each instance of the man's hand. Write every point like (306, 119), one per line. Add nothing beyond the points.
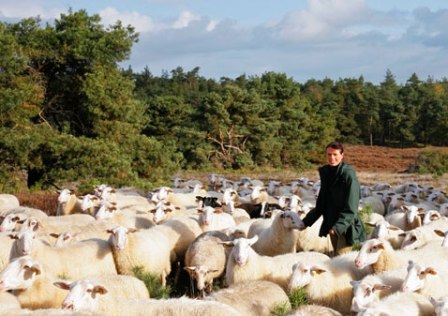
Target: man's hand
(331, 232)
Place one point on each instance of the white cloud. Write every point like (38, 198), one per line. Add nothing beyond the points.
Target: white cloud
(184, 20)
(141, 23)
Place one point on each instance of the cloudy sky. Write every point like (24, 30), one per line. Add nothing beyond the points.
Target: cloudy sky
(304, 39)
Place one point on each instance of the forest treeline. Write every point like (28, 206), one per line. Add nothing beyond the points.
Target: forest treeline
(69, 112)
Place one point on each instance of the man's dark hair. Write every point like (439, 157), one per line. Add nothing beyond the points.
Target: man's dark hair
(336, 145)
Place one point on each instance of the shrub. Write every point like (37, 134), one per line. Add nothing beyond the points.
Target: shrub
(152, 283)
(434, 162)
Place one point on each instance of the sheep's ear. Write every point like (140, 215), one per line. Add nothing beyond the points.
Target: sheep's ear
(380, 246)
(379, 287)
(433, 301)
(62, 285)
(99, 289)
(200, 210)
(402, 235)
(13, 236)
(109, 231)
(54, 235)
(439, 232)
(370, 224)
(132, 230)
(430, 270)
(226, 244)
(392, 227)
(199, 198)
(36, 268)
(217, 210)
(253, 240)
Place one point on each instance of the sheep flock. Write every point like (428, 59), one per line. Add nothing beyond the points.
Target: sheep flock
(222, 247)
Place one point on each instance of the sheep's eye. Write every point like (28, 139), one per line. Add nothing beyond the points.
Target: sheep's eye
(89, 291)
(413, 238)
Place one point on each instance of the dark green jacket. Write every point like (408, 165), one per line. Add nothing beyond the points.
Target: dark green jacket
(338, 203)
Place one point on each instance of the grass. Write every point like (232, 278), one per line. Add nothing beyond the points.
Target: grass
(296, 298)
(152, 283)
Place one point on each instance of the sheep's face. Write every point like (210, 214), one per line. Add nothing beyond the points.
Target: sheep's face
(23, 243)
(89, 201)
(291, 220)
(19, 274)
(416, 277)
(118, 237)
(411, 240)
(369, 253)
(64, 196)
(303, 274)
(365, 293)
(82, 295)
(9, 222)
(242, 249)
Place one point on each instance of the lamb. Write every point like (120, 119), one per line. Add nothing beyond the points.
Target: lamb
(380, 256)
(205, 259)
(67, 261)
(279, 237)
(374, 287)
(420, 236)
(400, 303)
(148, 248)
(252, 297)
(245, 264)
(214, 219)
(327, 283)
(426, 280)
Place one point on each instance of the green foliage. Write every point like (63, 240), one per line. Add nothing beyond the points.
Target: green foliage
(281, 309)
(433, 162)
(364, 214)
(298, 297)
(152, 282)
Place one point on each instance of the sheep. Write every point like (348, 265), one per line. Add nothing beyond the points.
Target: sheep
(6, 244)
(374, 287)
(165, 211)
(313, 310)
(440, 305)
(68, 203)
(279, 237)
(380, 256)
(327, 283)
(12, 222)
(90, 204)
(92, 296)
(385, 231)
(245, 264)
(375, 203)
(214, 219)
(255, 298)
(400, 303)
(8, 302)
(63, 239)
(205, 259)
(431, 216)
(8, 202)
(67, 261)
(426, 280)
(407, 218)
(147, 248)
(187, 200)
(129, 218)
(308, 239)
(420, 236)
(34, 286)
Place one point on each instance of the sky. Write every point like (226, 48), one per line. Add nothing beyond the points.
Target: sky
(304, 39)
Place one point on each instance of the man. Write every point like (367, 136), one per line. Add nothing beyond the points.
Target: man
(338, 202)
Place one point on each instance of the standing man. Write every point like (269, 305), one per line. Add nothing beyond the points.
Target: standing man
(338, 202)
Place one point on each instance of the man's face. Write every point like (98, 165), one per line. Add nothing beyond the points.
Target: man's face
(334, 156)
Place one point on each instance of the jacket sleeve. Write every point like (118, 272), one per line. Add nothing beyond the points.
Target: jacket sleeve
(351, 203)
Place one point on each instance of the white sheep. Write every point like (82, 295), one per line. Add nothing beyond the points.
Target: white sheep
(279, 236)
(68, 261)
(12, 221)
(32, 287)
(205, 259)
(313, 310)
(8, 303)
(426, 280)
(385, 231)
(245, 264)
(374, 287)
(147, 248)
(375, 203)
(440, 305)
(327, 283)
(211, 218)
(255, 298)
(89, 296)
(399, 303)
(128, 218)
(420, 236)
(406, 218)
(380, 256)
(8, 202)
(68, 203)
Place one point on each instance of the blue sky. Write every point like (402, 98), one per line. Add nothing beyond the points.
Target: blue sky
(313, 39)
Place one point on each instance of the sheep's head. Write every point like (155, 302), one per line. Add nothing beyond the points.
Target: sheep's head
(369, 253)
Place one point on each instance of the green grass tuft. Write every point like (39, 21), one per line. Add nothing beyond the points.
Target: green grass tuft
(152, 283)
(298, 297)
